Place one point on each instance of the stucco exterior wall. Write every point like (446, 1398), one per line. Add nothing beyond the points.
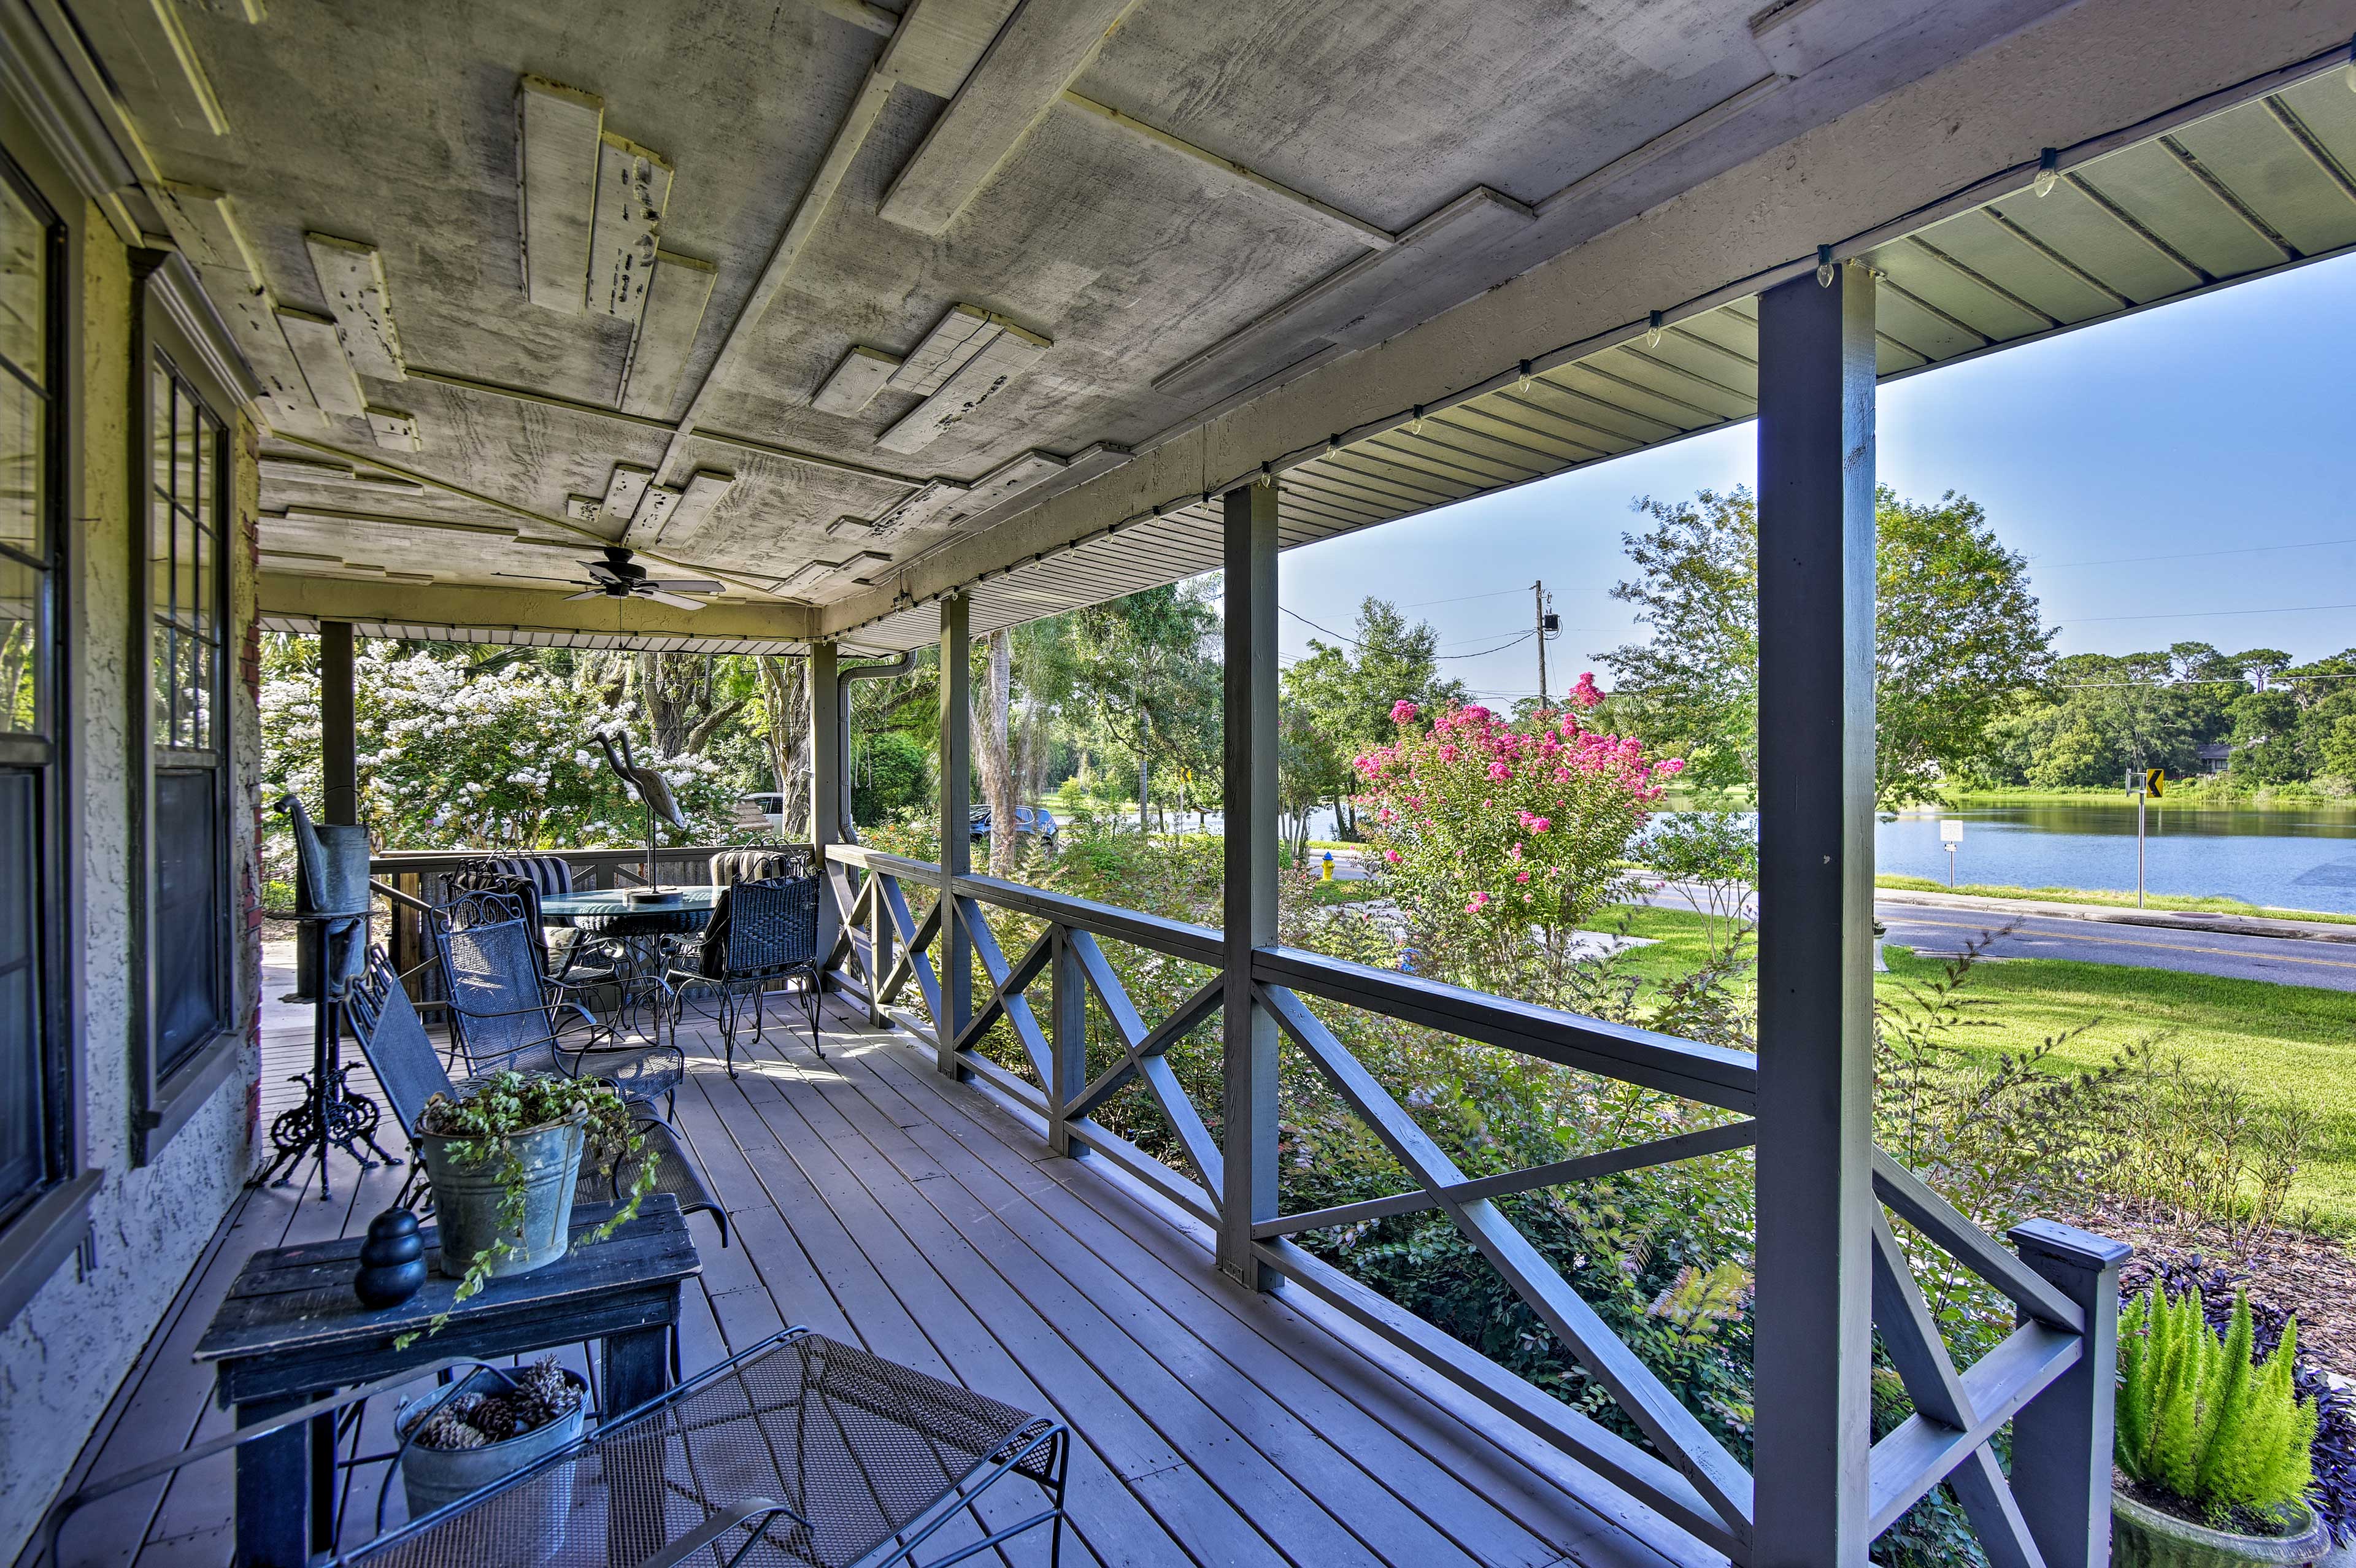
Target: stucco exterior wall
(65, 1353)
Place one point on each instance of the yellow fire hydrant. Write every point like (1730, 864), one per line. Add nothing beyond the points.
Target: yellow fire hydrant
(1328, 875)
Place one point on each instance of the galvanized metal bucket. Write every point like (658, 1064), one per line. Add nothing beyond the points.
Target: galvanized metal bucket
(468, 1195)
(435, 1477)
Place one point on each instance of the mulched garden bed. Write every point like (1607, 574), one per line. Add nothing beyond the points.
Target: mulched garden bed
(2312, 1277)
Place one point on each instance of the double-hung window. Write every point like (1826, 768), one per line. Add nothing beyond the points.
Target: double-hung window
(190, 939)
(34, 1118)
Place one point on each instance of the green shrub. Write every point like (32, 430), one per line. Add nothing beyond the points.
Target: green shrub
(2198, 1420)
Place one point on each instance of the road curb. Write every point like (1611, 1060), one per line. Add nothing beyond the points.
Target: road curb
(2168, 920)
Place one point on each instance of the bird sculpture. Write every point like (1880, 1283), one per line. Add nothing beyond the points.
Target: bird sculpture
(651, 788)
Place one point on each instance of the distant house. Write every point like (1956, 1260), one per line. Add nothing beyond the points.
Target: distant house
(2216, 757)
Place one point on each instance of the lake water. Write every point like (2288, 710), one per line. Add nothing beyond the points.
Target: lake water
(2300, 859)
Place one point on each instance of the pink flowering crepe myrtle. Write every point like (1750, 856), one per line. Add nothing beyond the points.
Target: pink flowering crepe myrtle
(1511, 824)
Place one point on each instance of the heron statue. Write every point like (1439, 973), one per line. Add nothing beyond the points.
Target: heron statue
(651, 788)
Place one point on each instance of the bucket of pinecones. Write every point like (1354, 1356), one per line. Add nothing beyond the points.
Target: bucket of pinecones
(460, 1439)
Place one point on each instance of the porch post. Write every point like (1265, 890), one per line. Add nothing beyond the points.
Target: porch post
(827, 783)
(2061, 1439)
(1248, 1143)
(957, 825)
(339, 741)
(1814, 1342)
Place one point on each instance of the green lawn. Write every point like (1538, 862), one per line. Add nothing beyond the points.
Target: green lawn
(2274, 1041)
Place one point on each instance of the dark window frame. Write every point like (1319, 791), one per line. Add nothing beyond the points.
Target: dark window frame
(42, 1225)
(170, 1091)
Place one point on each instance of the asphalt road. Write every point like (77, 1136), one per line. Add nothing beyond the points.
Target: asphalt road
(2286, 961)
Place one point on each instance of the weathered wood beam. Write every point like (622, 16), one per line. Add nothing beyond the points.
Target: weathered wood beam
(1033, 57)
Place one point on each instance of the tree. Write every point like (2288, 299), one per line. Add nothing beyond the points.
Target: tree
(1958, 638)
(1144, 667)
(1348, 689)
(785, 719)
(1309, 771)
(993, 757)
(494, 755)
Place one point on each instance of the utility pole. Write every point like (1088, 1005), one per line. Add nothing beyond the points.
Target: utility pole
(1538, 601)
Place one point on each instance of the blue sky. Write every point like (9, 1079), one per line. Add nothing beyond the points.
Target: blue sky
(2214, 425)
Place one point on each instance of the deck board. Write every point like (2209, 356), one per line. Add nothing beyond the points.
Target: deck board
(875, 1200)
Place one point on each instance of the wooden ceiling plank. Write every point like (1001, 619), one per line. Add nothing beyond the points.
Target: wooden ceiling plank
(853, 384)
(1026, 67)
(318, 350)
(633, 188)
(351, 275)
(983, 377)
(676, 295)
(559, 133)
(936, 42)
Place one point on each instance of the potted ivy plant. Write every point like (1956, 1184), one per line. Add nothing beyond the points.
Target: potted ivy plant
(503, 1155)
(2213, 1448)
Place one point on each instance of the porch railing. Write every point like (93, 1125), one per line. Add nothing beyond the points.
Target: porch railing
(2049, 1380)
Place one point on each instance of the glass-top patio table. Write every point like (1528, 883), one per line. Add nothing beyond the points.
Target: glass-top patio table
(640, 936)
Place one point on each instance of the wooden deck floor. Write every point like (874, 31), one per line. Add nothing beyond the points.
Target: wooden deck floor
(873, 1200)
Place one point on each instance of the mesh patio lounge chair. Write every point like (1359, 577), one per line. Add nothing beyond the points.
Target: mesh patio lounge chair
(394, 1041)
(800, 1451)
(505, 1014)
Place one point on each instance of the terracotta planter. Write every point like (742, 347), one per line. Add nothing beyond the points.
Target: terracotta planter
(2144, 1537)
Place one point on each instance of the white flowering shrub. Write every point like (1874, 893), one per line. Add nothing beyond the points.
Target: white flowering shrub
(450, 757)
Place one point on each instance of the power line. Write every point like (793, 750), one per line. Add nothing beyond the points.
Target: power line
(2192, 555)
(1500, 648)
(2202, 614)
(1460, 599)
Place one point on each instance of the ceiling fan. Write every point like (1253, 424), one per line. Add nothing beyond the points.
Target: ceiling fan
(618, 577)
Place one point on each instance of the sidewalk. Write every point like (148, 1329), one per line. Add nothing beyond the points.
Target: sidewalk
(2173, 920)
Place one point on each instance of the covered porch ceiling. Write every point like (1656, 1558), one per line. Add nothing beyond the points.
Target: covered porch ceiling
(847, 306)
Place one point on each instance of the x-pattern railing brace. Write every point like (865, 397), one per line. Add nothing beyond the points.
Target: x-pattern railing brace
(1674, 1430)
(1586, 1168)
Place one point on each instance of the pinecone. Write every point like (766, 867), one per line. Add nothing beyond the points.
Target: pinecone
(544, 1393)
(447, 1430)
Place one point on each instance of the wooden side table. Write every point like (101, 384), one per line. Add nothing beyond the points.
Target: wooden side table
(290, 1331)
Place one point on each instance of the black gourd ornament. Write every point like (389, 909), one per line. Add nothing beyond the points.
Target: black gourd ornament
(392, 1261)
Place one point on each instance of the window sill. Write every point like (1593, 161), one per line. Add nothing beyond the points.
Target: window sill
(41, 1238)
(187, 1087)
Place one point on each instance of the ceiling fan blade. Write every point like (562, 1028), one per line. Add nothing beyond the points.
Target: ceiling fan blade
(602, 571)
(592, 593)
(674, 599)
(684, 584)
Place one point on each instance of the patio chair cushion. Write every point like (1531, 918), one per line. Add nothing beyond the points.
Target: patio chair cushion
(546, 873)
(732, 866)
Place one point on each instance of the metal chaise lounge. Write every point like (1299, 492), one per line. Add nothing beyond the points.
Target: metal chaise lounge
(800, 1451)
(393, 1039)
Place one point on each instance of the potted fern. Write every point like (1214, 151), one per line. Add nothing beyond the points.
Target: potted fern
(2213, 1448)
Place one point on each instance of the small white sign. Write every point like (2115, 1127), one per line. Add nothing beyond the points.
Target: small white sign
(1950, 830)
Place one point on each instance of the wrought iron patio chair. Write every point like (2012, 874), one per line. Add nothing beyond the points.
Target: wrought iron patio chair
(576, 960)
(505, 1014)
(394, 1040)
(761, 933)
(799, 1450)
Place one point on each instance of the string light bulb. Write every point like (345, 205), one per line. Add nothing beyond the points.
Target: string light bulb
(1415, 427)
(1654, 328)
(1525, 385)
(2049, 171)
(1825, 269)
